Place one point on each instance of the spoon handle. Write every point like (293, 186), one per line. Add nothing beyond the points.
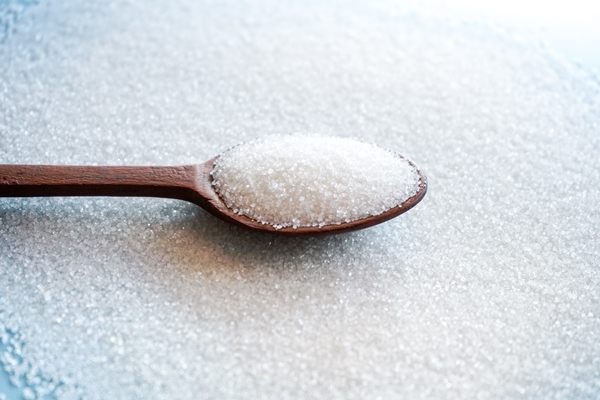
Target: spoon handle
(50, 180)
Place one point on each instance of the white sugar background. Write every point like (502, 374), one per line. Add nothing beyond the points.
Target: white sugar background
(490, 288)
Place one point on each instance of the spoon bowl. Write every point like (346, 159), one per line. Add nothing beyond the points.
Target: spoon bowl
(192, 183)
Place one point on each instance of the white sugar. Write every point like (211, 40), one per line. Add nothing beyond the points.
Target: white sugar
(488, 290)
(303, 181)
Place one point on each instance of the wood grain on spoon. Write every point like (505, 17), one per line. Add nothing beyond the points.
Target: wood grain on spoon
(190, 183)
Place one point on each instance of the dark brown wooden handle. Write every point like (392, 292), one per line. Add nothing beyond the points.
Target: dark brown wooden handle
(48, 180)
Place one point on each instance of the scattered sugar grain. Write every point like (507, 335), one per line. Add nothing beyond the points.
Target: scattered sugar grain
(303, 181)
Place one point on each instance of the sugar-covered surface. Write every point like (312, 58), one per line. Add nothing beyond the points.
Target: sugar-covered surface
(489, 289)
(310, 180)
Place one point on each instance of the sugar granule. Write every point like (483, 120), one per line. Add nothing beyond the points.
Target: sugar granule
(303, 181)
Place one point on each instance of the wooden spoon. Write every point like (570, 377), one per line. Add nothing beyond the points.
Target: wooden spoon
(189, 182)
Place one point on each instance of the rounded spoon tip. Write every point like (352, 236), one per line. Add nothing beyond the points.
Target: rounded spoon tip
(217, 207)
